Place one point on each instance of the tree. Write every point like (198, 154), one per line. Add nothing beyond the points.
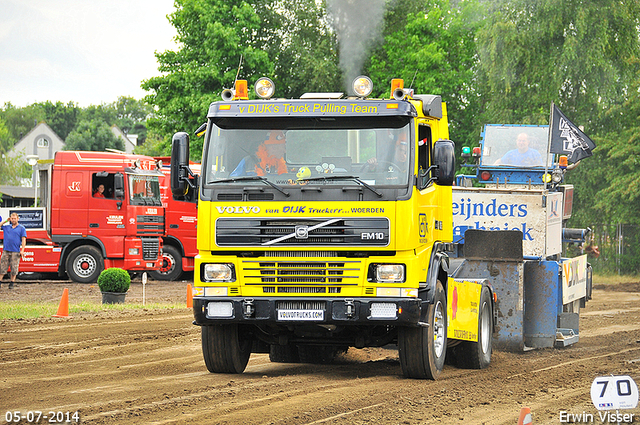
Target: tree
(131, 116)
(435, 53)
(60, 117)
(12, 168)
(287, 40)
(575, 53)
(20, 121)
(93, 135)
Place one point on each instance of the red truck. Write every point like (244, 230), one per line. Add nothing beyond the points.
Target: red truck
(98, 210)
(179, 240)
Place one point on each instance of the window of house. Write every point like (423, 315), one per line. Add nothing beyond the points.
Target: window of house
(43, 143)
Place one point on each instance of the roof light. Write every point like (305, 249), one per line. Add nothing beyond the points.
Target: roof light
(242, 92)
(397, 89)
(563, 161)
(476, 152)
(362, 86)
(265, 88)
(466, 152)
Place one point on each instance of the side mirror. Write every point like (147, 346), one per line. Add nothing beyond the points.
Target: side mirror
(118, 185)
(445, 161)
(443, 166)
(179, 164)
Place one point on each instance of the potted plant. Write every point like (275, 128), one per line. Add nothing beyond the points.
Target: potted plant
(114, 284)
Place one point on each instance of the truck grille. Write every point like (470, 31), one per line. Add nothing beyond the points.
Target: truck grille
(150, 225)
(277, 232)
(150, 249)
(287, 272)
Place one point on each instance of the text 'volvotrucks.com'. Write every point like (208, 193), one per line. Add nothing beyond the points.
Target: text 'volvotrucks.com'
(99, 210)
(324, 223)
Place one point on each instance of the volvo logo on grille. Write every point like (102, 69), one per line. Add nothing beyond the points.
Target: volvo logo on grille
(302, 232)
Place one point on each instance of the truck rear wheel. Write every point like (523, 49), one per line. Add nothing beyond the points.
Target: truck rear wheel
(422, 350)
(283, 353)
(171, 268)
(317, 354)
(84, 264)
(226, 348)
(477, 355)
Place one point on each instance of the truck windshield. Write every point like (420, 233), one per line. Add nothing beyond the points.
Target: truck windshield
(290, 153)
(145, 190)
(515, 146)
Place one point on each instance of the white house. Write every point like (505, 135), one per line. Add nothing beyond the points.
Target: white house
(41, 141)
(130, 140)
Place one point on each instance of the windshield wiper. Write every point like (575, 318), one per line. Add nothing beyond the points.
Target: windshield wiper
(340, 177)
(254, 178)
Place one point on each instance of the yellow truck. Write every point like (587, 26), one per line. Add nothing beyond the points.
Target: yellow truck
(325, 223)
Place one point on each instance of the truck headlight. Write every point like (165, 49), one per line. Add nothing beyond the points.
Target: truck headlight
(389, 273)
(218, 272)
(134, 251)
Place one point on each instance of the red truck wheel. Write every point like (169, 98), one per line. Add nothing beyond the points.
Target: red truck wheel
(84, 264)
(171, 265)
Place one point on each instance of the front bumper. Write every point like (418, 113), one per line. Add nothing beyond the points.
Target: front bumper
(264, 310)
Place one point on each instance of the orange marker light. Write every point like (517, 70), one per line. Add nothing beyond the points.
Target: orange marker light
(242, 92)
(563, 161)
(397, 83)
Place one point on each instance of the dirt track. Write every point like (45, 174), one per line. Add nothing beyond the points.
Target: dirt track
(147, 367)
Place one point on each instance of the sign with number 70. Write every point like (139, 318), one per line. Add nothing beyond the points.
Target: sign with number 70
(614, 392)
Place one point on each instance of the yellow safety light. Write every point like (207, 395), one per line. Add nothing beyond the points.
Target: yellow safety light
(242, 92)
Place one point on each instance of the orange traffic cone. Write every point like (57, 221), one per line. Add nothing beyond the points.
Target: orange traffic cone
(525, 416)
(189, 296)
(63, 308)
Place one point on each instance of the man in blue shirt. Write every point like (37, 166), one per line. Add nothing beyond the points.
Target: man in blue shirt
(15, 240)
(523, 155)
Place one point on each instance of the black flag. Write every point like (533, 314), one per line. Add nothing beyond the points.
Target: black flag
(567, 139)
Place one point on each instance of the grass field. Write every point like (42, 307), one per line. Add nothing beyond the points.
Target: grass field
(27, 310)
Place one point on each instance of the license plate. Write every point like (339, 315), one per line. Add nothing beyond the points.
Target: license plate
(310, 315)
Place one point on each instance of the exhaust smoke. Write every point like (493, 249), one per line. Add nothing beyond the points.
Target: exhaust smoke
(358, 25)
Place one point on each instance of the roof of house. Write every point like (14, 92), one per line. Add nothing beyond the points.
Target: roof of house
(17, 191)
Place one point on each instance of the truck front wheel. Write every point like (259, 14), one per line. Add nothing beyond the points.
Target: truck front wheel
(171, 268)
(422, 350)
(226, 348)
(84, 264)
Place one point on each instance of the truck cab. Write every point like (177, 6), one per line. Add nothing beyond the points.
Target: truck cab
(324, 223)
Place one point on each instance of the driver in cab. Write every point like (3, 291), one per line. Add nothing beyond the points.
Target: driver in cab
(268, 159)
(400, 155)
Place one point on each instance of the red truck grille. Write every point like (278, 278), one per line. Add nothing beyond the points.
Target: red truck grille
(150, 225)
